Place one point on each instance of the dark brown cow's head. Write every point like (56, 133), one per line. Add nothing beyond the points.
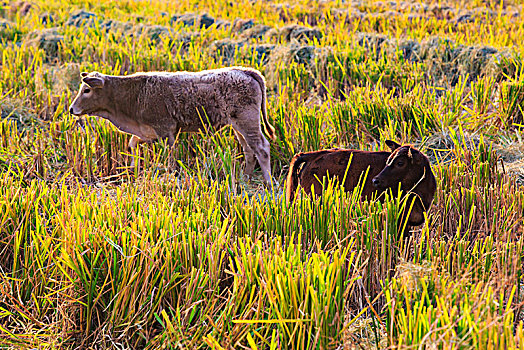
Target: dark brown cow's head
(91, 97)
(405, 165)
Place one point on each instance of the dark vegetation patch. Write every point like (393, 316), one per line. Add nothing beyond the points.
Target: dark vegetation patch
(48, 40)
(8, 30)
(15, 110)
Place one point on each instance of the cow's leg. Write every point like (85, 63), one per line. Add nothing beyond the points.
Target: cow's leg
(248, 154)
(171, 142)
(132, 145)
(171, 139)
(260, 146)
(250, 130)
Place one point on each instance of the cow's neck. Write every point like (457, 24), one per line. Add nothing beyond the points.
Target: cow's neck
(428, 181)
(121, 107)
(123, 97)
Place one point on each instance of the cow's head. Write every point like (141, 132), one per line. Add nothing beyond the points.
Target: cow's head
(91, 97)
(405, 165)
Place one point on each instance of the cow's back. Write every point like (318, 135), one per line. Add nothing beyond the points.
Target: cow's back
(335, 162)
(189, 100)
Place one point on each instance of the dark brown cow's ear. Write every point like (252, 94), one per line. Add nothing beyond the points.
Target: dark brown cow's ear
(418, 158)
(94, 82)
(392, 145)
(84, 74)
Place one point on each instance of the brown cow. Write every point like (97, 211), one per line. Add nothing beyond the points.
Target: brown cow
(159, 105)
(405, 165)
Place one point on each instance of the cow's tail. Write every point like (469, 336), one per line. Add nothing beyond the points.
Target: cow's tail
(270, 130)
(292, 176)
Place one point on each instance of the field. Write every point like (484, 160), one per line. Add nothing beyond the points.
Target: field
(185, 252)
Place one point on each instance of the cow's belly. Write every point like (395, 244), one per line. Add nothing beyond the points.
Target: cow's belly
(144, 131)
(195, 123)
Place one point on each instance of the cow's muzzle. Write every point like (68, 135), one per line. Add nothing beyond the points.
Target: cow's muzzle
(73, 112)
(378, 183)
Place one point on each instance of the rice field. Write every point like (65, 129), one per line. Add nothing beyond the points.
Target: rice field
(185, 252)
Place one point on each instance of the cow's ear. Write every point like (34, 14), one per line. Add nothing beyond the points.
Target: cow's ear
(392, 145)
(84, 74)
(94, 82)
(418, 158)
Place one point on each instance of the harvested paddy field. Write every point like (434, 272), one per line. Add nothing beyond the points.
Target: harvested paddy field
(183, 251)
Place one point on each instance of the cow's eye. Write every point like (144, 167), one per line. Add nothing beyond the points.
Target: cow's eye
(400, 163)
(86, 91)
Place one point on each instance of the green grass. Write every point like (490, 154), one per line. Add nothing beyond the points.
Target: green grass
(185, 252)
